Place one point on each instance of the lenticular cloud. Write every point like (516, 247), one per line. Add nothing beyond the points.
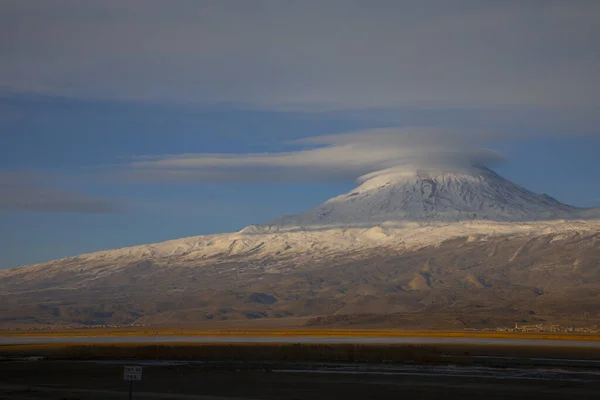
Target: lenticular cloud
(342, 157)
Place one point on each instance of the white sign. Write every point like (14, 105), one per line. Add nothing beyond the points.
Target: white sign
(132, 373)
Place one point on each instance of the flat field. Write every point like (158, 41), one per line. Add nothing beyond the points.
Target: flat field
(555, 367)
(299, 372)
(289, 329)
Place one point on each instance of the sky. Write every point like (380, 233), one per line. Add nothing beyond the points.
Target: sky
(129, 122)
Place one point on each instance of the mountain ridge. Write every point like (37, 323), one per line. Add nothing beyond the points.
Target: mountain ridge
(380, 220)
(433, 194)
(411, 241)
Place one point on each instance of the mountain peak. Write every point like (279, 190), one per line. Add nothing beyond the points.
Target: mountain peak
(432, 194)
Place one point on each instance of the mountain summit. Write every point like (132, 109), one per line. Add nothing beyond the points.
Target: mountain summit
(413, 247)
(433, 195)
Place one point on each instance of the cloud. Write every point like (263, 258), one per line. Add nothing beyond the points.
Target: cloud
(21, 191)
(342, 157)
(313, 53)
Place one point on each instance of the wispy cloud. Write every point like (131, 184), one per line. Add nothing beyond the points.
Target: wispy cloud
(338, 157)
(20, 191)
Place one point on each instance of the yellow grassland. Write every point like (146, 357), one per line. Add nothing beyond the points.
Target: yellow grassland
(160, 331)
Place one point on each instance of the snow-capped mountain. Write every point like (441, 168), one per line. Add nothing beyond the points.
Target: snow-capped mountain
(401, 208)
(433, 195)
(405, 240)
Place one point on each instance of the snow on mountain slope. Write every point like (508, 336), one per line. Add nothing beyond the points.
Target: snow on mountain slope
(399, 209)
(432, 195)
(404, 241)
(279, 249)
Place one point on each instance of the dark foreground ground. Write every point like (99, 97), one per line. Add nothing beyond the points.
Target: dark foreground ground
(82, 380)
(302, 372)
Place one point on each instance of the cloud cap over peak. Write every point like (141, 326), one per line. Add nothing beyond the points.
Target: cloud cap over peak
(342, 157)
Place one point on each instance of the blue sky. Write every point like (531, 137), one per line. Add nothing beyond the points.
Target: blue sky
(103, 106)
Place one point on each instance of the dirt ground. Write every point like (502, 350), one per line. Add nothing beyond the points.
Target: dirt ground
(76, 380)
(292, 371)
